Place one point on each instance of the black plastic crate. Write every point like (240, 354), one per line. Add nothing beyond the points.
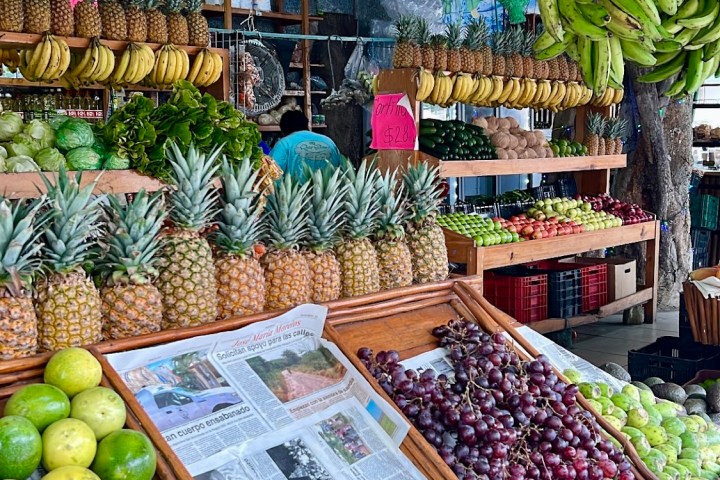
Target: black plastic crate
(684, 328)
(672, 359)
(700, 239)
(564, 293)
(566, 187)
(701, 259)
(544, 191)
(704, 211)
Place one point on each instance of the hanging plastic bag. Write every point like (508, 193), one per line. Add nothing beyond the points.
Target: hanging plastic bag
(354, 64)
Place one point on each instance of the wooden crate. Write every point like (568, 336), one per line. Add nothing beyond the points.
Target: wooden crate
(168, 465)
(406, 327)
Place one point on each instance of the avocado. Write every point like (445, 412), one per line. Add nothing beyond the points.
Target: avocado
(641, 386)
(713, 398)
(695, 406)
(695, 391)
(670, 391)
(616, 371)
(650, 381)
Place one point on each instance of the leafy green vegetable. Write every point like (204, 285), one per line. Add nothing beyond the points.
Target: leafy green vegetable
(114, 161)
(21, 163)
(141, 132)
(10, 125)
(3, 152)
(41, 132)
(74, 133)
(23, 144)
(50, 160)
(57, 121)
(83, 158)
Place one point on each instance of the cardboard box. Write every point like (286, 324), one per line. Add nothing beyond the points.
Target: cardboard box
(622, 279)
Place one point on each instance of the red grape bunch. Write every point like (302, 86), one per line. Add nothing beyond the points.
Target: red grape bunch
(498, 417)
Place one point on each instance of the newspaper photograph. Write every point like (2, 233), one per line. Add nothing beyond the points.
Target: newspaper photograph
(209, 393)
(341, 442)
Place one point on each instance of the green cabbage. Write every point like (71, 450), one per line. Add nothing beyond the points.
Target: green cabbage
(83, 158)
(41, 132)
(3, 152)
(50, 160)
(10, 125)
(23, 144)
(115, 161)
(56, 122)
(74, 133)
(21, 163)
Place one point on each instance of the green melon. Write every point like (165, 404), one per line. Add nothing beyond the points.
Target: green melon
(125, 454)
(20, 447)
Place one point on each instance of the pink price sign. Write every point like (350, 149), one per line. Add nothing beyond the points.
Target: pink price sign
(393, 124)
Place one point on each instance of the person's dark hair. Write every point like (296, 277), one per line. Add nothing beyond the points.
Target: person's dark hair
(293, 121)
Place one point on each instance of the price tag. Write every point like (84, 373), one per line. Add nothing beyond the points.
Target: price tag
(393, 124)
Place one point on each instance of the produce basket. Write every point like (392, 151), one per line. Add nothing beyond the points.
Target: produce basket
(672, 359)
(14, 376)
(703, 315)
(703, 375)
(406, 326)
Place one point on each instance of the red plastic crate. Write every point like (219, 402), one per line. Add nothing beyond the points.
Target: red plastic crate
(593, 281)
(522, 297)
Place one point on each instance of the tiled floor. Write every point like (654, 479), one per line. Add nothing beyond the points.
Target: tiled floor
(610, 340)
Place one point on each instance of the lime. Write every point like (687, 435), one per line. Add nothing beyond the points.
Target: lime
(20, 447)
(125, 454)
(73, 370)
(40, 403)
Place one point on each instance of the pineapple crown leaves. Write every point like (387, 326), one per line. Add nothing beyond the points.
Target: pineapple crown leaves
(422, 184)
(438, 40)
(194, 196)
(405, 29)
(454, 33)
(527, 46)
(393, 207)
(239, 226)
(423, 32)
(132, 238)
(595, 123)
(325, 216)
(475, 35)
(500, 42)
(174, 6)
(73, 223)
(360, 206)
(21, 226)
(287, 213)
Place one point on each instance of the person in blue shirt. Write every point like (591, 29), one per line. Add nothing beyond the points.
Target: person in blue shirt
(300, 147)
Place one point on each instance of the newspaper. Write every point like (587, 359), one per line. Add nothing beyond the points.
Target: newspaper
(341, 442)
(437, 360)
(212, 393)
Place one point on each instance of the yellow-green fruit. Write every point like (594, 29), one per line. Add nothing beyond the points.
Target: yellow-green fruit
(632, 432)
(669, 452)
(654, 416)
(655, 434)
(624, 402)
(674, 426)
(647, 398)
(690, 424)
(589, 390)
(606, 390)
(700, 421)
(637, 417)
(572, 375)
(595, 405)
(620, 414)
(642, 446)
(690, 454)
(614, 421)
(631, 391)
(607, 406)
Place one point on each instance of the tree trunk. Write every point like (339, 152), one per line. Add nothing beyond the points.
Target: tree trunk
(658, 177)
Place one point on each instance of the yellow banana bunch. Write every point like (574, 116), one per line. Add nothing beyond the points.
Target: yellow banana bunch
(171, 64)
(610, 97)
(136, 63)
(48, 61)
(207, 69)
(426, 84)
(95, 65)
(463, 88)
(10, 58)
(498, 88)
(484, 88)
(442, 90)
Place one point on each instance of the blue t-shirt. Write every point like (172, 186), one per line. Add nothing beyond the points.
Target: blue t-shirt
(305, 148)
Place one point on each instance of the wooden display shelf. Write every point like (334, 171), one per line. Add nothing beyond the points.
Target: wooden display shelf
(23, 82)
(26, 185)
(485, 168)
(300, 65)
(278, 16)
(269, 128)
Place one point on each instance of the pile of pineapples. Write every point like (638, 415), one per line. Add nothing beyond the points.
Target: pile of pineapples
(476, 67)
(179, 22)
(79, 268)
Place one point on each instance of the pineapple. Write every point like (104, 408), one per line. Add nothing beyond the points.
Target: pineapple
(528, 62)
(87, 19)
(500, 40)
(198, 30)
(131, 304)
(325, 221)
(426, 48)
(187, 271)
(12, 16)
(62, 22)
(514, 64)
(440, 54)
(239, 275)
(563, 68)
(177, 25)
(619, 130)
(405, 30)
(156, 22)
(358, 258)
(394, 258)
(417, 52)
(37, 16)
(471, 45)
(454, 34)
(603, 138)
(287, 273)
(137, 25)
(553, 69)
(67, 303)
(595, 128)
(112, 16)
(21, 227)
(425, 237)
(574, 71)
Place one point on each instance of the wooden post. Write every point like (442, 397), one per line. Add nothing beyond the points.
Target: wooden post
(227, 14)
(305, 11)
(652, 270)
